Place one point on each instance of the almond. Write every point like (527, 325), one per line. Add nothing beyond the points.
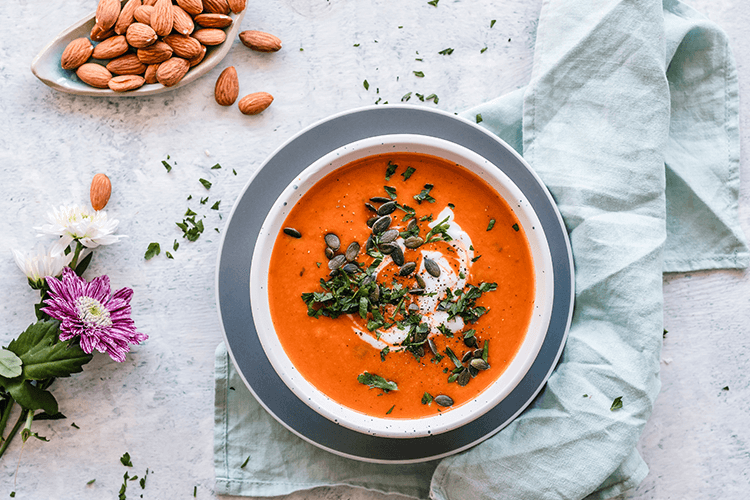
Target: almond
(140, 35)
(129, 64)
(98, 33)
(227, 87)
(162, 17)
(216, 6)
(94, 74)
(143, 14)
(197, 59)
(193, 7)
(149, 3)
(182, 22)
(76, 53)
(126, 16)
(252, 104)
(237, 6)
(210, 36)
(107, 13)
(110, 48)
(150, 74)
(101, 189)
(172, 70)
(123, 83)
(183, 46)
(154, 54)
(260, 41)
(213, 20)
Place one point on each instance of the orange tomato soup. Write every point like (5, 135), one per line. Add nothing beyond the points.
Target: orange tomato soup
(330, 353)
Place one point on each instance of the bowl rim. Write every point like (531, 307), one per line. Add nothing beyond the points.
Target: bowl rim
(443, 421)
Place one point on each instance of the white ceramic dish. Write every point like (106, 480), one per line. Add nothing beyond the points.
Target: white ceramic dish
(46, 65)
(447, 420)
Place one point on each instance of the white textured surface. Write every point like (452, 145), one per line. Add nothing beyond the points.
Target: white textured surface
(158, 405)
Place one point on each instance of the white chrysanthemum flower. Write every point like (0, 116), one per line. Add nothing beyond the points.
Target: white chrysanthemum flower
(41, 263)
(91, 228)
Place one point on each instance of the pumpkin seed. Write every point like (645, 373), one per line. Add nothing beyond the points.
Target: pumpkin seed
(388, 248)
(330, 253)
(371, 221)
(473, 371)
(352, 251)
(420, 352)
(387, 208)
(381, 224)
(467, 356)
(413, 242)
(412, 226)
(443, 400)
(380, 199)
(370, 244)
(350, 268)
(463, 378)
(398, 256)
(336, 262)
(416, 291)
(375, 294)
(420, 281)
(470, 341)
(333, 241)
(407, 268)
(369, 279)
(479, 364)
(389, 236)
(432, 267)
(292, 232)
(478, 353)
(371, 207)
(432, 345)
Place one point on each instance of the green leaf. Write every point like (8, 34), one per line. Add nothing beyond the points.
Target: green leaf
(152, 251)
(390, 410)
(206, 184)
(427, 398)
(245, 462)
(125, 459)
(167, 166)
(390, 170)
(491, 224)
(479, 117)
(84, 264)
(376, 382)
(10, 364)
(616, 404)
(29, 396)
(366, 85)
(409, 171)
(419, 74)
(215, 167)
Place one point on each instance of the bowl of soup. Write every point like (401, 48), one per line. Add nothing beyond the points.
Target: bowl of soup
(401, 286)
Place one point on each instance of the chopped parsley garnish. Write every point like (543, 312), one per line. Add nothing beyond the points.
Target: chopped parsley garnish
(91, 482)
(215, 167)
(406, 97)
(409, 171)
(427, 398)
(203, 200)
(479, 117)
(434, 98)
(152, 251)
(166, 165)
(476, 258)
(725, 388)
(446, 52)
(492, 23)
(206, 184)
(234, 171)
(433, 2)
(175, 245)
(366, 85)
(385, 350)
(390, 170)
(376, 382)
(483, 50)
(616, 404)
(125, 459)
(356, 45)
(391, 191)
(245, 462)
(439, 232)
(215, 206)
(424, 195)
(191, 228)
(419, 74)
(390, 410)
(491, 224)
(515, 227)
(169, 255)
(451, 206)
(189, 212)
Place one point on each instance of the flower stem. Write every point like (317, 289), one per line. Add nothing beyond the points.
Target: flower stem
(26, 432)
(77, 253)
(13, 432)
(4, 418)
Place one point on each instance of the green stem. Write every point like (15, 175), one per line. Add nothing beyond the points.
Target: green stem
(26, 432)
(78, 249)
(12, 433)
(5, 417)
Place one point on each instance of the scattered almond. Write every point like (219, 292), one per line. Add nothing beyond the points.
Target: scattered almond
(149, 3)
(182, 22)
(101, 190)
(129, 64)
(143, 14)
(183, 46)
(94, 74)
(193, 7)
(172, 70)
(197, 59)
(210, 36)
(260, 41)
(150, 74)
(123, 83)
(227, 87)
(216, 6)
(125, 18)
(98, 33)
(140, 35)
(237, 6)
(76, 53)
(110, 48)
(107, 13)
(154, 54)
(162, 18)
(252, 104)
(213, 20)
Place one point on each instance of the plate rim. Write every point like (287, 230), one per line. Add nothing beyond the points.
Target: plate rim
(568, 263)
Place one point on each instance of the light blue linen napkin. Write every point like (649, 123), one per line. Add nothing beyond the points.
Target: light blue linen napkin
(631, 120)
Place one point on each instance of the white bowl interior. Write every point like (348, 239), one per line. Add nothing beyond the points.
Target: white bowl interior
(443, 421)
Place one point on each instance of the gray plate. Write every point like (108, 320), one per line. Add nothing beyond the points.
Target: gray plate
(233, 279)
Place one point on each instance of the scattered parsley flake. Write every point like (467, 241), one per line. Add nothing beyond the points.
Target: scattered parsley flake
(376, 382)
(585, 395)
(515, 227)
(390, 169)
(390, 410)
(434, 98)
(409, 171)
(725, 388)
(406, 97)
(427, 398)
(12, 494)
(476, 258)
(366, 85)
(491, 224)
(391, 191)
(318, 264)
(91, 482)
(433, 2)
(190, 197)
(420, 96)
(483, 50)
(169, 255)
(420, 74)
(142, 482)
(356, 45)
(451, 206)
(245, 462)
(446, 52)
(492, 23)
(166, 165)
(215, 167)
(125, 459)
(234, 171)
(175, 245)
(152, 251)
(479, 118)
(206, 184)
(215, 206)
(418, 59)
(217, 230)
(74, 425)
(616, 404)
(204, 200)
(424, 195)
(189, 213)
(195, 488)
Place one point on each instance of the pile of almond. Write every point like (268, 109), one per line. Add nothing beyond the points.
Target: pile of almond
(148, 41)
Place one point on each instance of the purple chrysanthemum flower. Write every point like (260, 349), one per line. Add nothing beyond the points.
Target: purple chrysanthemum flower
(87, 310)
